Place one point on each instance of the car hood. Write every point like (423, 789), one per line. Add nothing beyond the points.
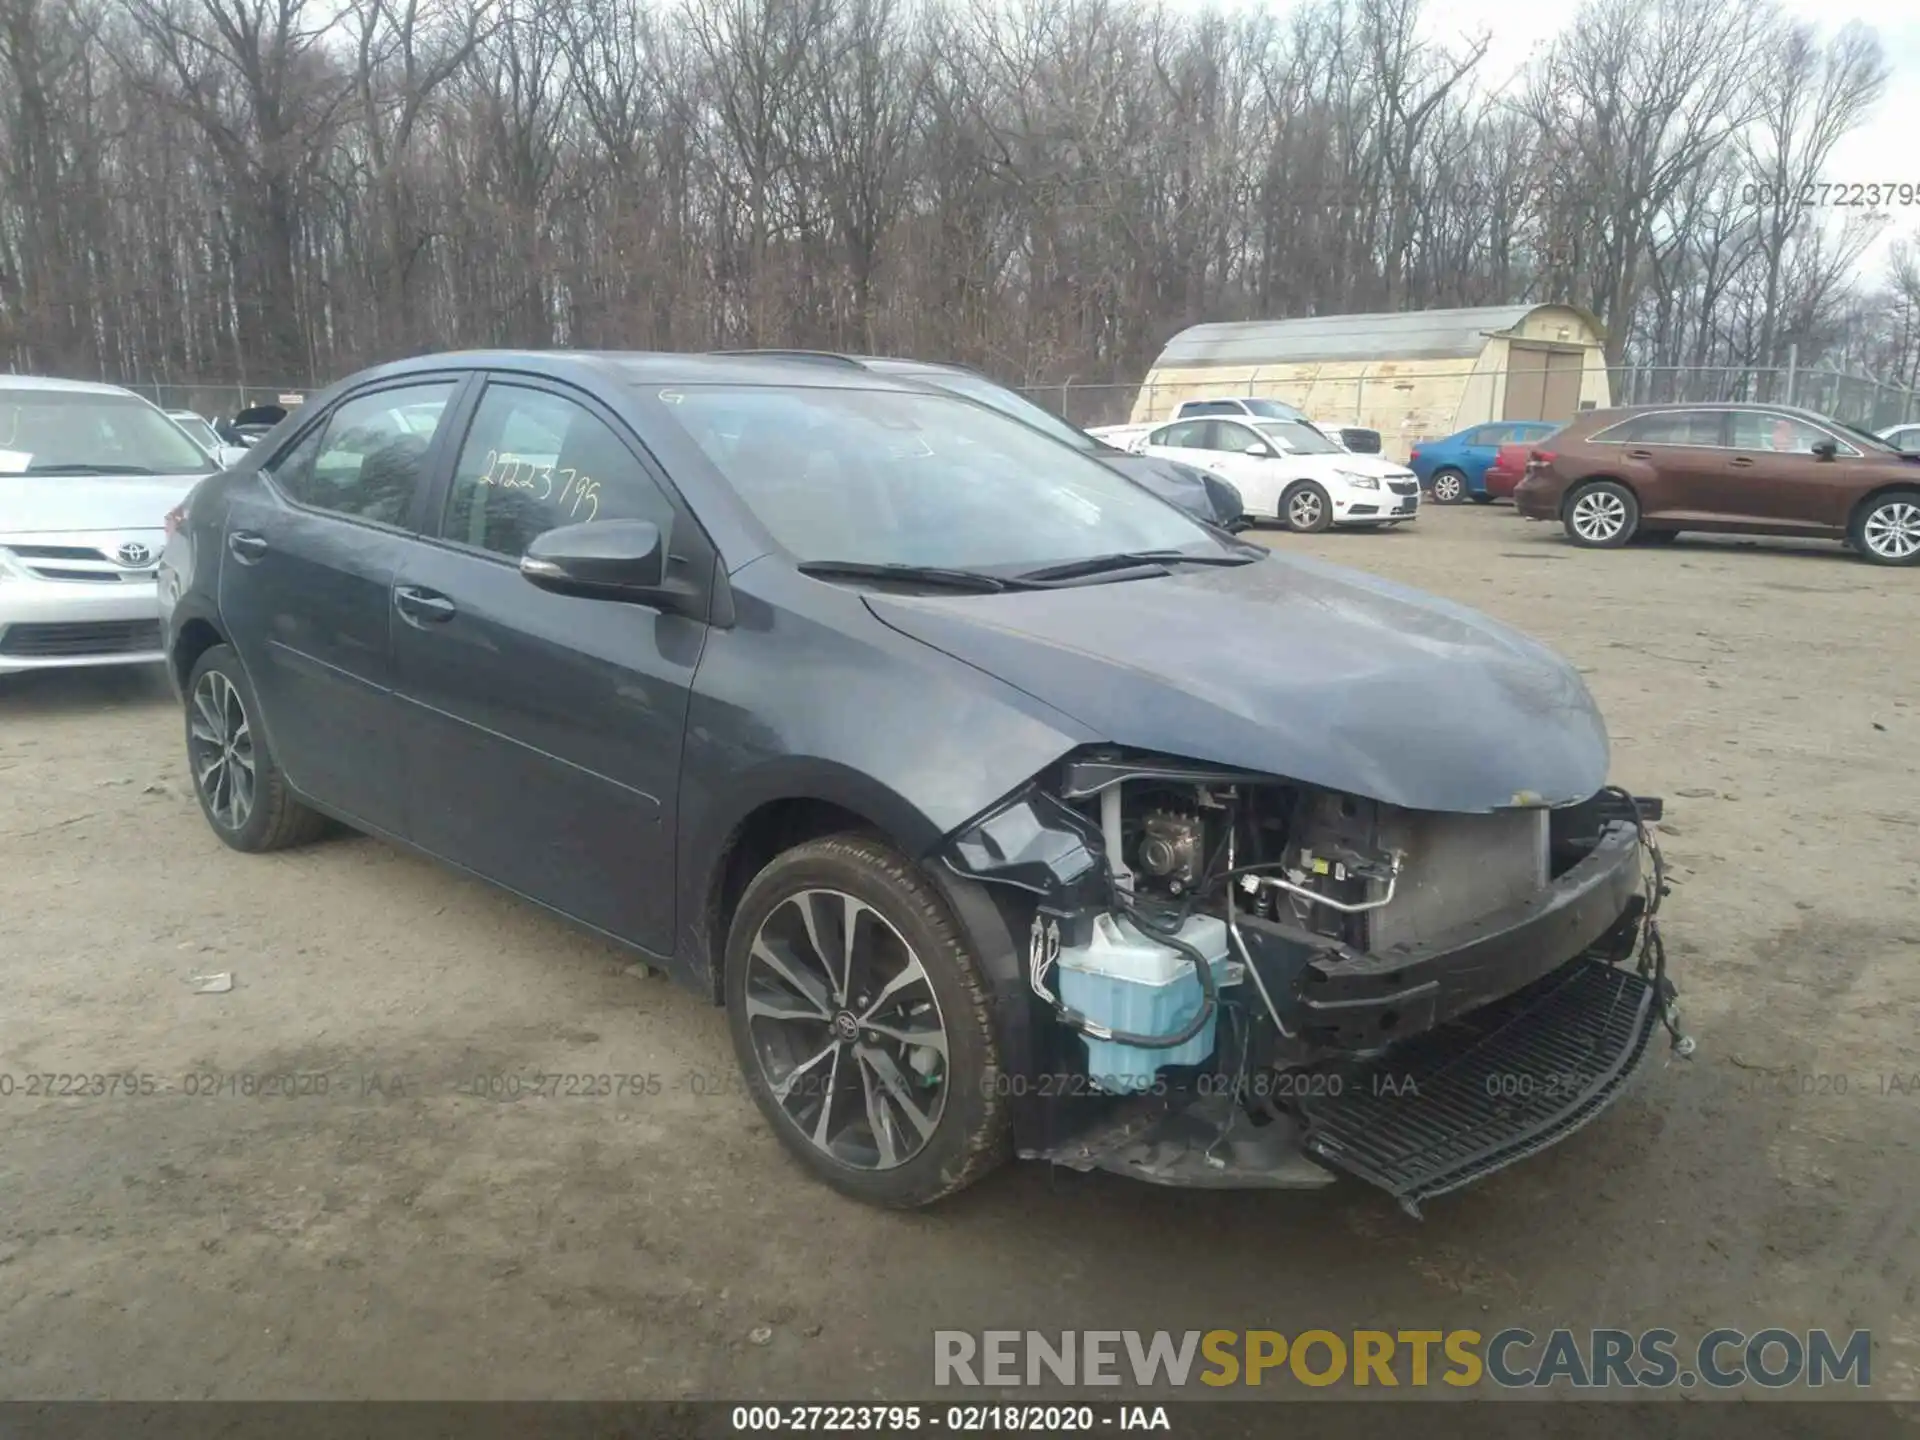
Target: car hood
(1291, 667)
(35, 504)
(1352, 461)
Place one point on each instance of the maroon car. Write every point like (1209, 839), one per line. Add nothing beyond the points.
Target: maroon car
(1650, 472)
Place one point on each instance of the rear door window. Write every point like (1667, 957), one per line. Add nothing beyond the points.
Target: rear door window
(1673, 427)
(1187, 435)
(367, 459)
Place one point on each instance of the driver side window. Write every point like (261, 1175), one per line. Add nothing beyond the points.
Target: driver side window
(534, 461)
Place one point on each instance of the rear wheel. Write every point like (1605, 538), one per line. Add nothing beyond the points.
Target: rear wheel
(864, 1024)
(240, 786)
(1887, 529)
(1306, 507)
(1449, 486)
(1602, 515)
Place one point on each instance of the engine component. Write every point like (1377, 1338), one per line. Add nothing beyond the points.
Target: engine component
(1125, 980)
(1170, 849)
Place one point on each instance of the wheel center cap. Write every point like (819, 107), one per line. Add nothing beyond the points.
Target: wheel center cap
(846, 1025)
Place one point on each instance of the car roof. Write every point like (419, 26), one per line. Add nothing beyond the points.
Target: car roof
(72, 387)
(1627, 412)
(646, 368)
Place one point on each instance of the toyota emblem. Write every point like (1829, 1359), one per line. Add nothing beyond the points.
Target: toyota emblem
(133, 554)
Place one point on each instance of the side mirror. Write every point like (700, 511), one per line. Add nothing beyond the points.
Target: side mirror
(1825, 449)
(1259, 450)
(606, 560)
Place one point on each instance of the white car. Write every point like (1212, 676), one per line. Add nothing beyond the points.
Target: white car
(1903, 437)
(88, 475)
(201, 430)
(1288, 471)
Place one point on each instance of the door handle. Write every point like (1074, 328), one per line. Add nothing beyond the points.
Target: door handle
(247, 547)
(1639, 454)
(1740, 462)
(423, 607)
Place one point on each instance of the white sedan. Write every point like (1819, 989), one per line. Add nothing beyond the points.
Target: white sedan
(88, 474)
(1290, 472)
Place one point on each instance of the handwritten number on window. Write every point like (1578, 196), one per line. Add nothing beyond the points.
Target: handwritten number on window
(579, 497)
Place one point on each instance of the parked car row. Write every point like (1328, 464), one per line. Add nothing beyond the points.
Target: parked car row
(1648, 473)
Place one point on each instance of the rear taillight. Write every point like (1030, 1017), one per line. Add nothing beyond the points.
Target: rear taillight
(175, 518)
(1414, 456)
(1543, 457)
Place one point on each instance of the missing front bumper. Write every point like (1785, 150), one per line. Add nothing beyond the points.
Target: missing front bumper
(1433, 1115)
(1496, 1086)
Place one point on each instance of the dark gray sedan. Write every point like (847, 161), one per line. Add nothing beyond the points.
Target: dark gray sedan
(1006, 807)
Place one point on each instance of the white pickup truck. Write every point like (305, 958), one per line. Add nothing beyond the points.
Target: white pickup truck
(1356, 438)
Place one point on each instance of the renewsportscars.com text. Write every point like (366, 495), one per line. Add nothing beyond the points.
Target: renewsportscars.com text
(1513, 1358)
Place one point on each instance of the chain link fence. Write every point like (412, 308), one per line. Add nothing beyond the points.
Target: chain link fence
(1410, 405)
(217, 400)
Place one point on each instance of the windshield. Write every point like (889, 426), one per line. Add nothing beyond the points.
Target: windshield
(79, 432)
(1298, 438)
(1007, 402)
(897, 478)
(1273, 410)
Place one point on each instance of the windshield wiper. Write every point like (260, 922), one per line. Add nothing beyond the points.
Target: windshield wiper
(933, 575)
(1129, 560)
(89, 470)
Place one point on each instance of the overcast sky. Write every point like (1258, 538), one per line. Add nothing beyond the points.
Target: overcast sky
(1886, 149)
(1882, 150)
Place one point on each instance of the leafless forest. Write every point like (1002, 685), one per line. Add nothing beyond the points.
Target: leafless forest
(283, 190)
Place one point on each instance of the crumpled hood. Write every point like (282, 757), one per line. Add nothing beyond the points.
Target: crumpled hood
(1296, 668)
(38, 504)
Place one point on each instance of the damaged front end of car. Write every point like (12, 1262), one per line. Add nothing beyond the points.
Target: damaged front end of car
(1237, 980)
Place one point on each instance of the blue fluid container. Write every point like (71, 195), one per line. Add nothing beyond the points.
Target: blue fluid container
(1126, 979)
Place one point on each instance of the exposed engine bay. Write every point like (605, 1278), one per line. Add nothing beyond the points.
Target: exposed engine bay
(1244, 974)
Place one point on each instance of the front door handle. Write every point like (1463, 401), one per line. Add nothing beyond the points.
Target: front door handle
(247, 547)
(423, 607)
(1639, 454)
(1740, 462)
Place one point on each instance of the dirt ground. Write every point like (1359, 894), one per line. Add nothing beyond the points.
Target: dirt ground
(402, 1236)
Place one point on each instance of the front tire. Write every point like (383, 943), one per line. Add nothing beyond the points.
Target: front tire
(1306, 508)
(241, 788)
(1449, 487)
(864, 1024)
(1886, 531)
(1602, 515)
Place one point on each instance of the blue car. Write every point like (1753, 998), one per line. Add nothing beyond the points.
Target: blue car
(1455, 469)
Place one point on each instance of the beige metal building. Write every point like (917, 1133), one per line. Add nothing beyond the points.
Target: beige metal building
(1412, 375)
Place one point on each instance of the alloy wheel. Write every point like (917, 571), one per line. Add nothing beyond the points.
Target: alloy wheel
(1893, 530)
(1599, 515)
(1446, 488)
(846, 1029)
(220, 742)
(1303, 510)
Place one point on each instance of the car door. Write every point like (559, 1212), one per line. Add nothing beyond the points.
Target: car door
(1238, 452)
(1772, 478)
(312, 543)
(543, 732)
(1675, 460)
(1478, 448)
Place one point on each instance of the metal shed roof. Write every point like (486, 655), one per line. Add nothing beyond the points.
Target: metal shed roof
(1392, 335)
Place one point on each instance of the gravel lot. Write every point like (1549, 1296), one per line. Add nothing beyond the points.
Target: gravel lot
(401, 1237)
